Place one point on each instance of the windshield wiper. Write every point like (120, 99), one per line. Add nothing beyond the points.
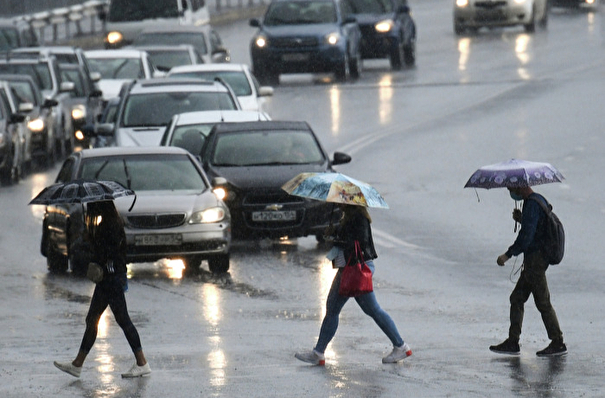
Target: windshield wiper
(127, 174)
(101, 169)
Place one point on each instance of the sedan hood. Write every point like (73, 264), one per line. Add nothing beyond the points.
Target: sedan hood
(111, 87)
(167, 202)
(139, 136)
(264, 176)
(371, 19)
(300, 30)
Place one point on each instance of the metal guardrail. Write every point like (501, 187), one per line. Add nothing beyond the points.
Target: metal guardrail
(83, 19)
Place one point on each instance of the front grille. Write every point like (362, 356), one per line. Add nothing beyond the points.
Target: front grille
(268, 198)
(156, 221)
(294, 42)
(490, 4)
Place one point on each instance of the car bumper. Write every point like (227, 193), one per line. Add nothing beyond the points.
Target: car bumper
(374, 45)
(151, 245)
(299, 60)
(493, 13)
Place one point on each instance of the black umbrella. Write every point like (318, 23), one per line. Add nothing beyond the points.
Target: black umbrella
(81, 191)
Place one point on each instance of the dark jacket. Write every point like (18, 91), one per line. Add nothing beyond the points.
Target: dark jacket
(532, 231)
(109, 248)
(357, 227)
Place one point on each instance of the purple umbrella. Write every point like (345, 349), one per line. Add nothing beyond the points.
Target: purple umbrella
(514, 174)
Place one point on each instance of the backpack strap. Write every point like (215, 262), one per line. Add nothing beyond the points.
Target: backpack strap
(547, 207)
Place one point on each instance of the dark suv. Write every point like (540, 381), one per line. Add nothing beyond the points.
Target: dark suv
(387, 30)
(306, 36)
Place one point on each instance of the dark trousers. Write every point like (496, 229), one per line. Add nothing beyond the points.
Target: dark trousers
(533, 281)
(109, 292)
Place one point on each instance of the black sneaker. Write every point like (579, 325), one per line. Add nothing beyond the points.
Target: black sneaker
(554, 349)
(506, 347)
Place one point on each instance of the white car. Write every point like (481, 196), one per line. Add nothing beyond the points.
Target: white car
(474, 14)
(189, 130)
(165, 57)
(249, 93)
(117, 67)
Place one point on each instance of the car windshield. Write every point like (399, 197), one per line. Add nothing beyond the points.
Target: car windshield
(371, 6)
(166, 38)
(39, 72)
(138, 10)
(117, 68)
(167, 60)
(191, 137)
(252, 148)
(72, 75)
(9, 39)
(237, 80)
(300, 13)
(157, 109)
(24, 92)
(146, 172)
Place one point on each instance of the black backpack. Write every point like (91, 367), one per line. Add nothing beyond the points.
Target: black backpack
(554, 235)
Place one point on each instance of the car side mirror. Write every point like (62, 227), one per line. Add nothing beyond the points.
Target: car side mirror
(67, 87)
(96, 94)
(219, 181)
(16, 118)
(49, 103)
(403, 9)
(105, 129)
(265, 91)
(26, 107)
(255, 23)
(95, 76)
(349, 19)
(221, 55)
(341, 158)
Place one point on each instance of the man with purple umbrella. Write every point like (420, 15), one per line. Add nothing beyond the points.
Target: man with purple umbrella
(518, 176)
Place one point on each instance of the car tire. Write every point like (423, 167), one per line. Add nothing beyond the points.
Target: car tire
(458, 29)
(56, 262)
(531, 26)
(218, 263)
(78, 262)
(192, 263)
(343, 72)
(397, 56)
(409, 54)
(7, 174)
(356, 65)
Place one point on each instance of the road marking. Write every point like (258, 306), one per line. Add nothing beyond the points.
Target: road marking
(387, 240)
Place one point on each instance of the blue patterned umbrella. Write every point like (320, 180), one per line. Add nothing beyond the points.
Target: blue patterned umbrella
(514, 174)
(80, 191)
(336, 188)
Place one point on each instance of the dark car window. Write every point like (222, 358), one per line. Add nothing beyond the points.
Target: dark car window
(266, 148)
(169, 59)
(166, 38)
(39, 72)
(300, 13)
(117, 68)
(371, 6)
(237, 80)
(129, 10)
(157, 109)
(170, 172)
(24, 92)
(9, 39)
(76, 78)
(66, 171)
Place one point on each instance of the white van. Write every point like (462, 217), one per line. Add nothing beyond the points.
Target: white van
(125, 19)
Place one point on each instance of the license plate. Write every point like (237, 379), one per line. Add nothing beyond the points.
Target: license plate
(158, 240)
(295, 57)
(274, 215)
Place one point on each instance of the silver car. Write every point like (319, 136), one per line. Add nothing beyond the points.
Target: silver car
(176, 214)
(474, 14)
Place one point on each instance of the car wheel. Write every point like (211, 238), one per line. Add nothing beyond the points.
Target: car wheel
(531, 26)
(7, 174)
(458, 29)
(409, 54)
(397, 56)
(543, 23)
(219, 263)
(355, 65)
(78, 262)
(342, 71)
(56, 262)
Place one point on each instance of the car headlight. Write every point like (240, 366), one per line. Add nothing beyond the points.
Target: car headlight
(461, 3)
(114, 37)
(520, 1)
(78, 112)
(260, 41)
(79, 135)
(333, 38)
(36, 125)
(384, 26)
(213, 214)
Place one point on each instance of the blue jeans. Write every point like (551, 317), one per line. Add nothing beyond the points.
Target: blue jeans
(368, 304)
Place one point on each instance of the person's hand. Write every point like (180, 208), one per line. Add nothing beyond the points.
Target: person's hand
(502, 259)
(517, 215)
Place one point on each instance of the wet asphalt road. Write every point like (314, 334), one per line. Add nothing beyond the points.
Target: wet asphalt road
(416, 135)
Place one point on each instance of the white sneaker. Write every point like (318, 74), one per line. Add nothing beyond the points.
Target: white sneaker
(398, 354)
(137, 371)
(68, 367)
(313, 357)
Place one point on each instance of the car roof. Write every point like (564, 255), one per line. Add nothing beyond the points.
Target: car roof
(208, 67)
(188, 118)
(49, 49)
(176, 29)
(179, 47)
(118, 53)
(260, 126)
(131, 150)
(161, 84)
